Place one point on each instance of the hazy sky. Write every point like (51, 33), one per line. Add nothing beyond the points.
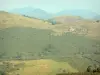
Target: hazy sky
(52, 5)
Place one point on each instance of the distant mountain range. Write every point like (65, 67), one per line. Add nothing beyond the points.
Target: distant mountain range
(29, 11)
(97, 17)
(42, 14)
(82, 13)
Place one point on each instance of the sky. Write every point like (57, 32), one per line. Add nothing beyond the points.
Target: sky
(52, 6)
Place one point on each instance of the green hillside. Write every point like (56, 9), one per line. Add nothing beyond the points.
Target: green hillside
(13, 40)
(29, 43)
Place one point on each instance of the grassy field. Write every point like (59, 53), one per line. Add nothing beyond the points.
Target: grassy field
(42, 47)
(29, 40)
(29, 43)
(41, 67)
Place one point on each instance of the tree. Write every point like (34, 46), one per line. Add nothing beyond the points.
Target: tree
(52, 21)
(48, 50)
(97, 21)
(2, 73)
(2, 54)
(19, 56)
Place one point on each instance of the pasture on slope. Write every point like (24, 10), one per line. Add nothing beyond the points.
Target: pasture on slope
(42, 67)
(24, 38)
(29, 43)
(74, 24)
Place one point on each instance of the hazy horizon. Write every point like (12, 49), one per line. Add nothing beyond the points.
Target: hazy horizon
(52, 6)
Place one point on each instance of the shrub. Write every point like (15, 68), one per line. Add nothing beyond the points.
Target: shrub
(97, 21)
(53, 22)
(2, 73)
